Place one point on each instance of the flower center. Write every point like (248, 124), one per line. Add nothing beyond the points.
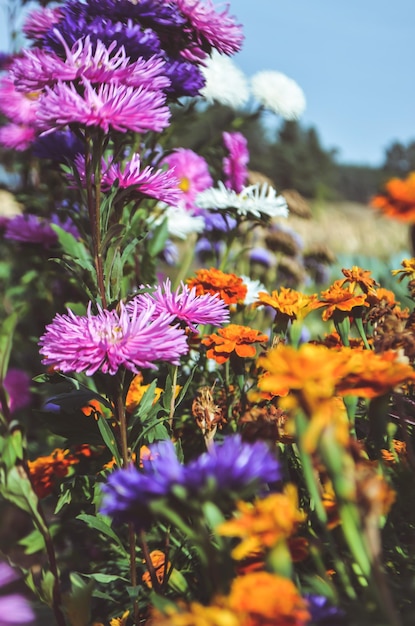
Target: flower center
(184, 184)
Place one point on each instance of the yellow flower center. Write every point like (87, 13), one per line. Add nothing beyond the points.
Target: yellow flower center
(184, 184)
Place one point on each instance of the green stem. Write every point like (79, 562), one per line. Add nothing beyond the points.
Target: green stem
(173, 395)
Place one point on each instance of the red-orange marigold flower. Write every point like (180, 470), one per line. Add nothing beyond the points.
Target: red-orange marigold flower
(233, 339)
(337, 298)
(266, 600)
(230, 287)
(46, 469)
(158, 559)
(398, 201)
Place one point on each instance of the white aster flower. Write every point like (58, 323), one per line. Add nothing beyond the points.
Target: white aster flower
(259, 200)
(180, 223)
(278, 93)
(225, 82)
(254, 287)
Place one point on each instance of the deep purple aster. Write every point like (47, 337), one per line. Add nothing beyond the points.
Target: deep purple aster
(207, 248)
(321, 611)
(155, 14)
(186, 78)
(107, 106)
(60, 146)
(16, 383)
(129, 492)
(110, 340)
(30, 228)
(235, 164)
(233, 466)
(262, 256)
(186, 307)
(218, 223)
(15, 609)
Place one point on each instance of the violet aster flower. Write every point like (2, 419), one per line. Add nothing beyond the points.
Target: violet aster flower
(211, 28)
(129, 492)
(107, 106)
(192, 172)
(15, 609)
(110, 340)
(233, 466)
(60, 146)
(321, 611)
(235, 165)
(185, 305)
(186, 78)
(29, 228)
(16, 383)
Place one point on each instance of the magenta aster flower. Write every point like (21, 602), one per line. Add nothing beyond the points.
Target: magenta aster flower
(16, 383)
(235, 165)
(17, 106)
(133, 339)
(192, 172)
(185, 305)
(40, 21)
(118, 107)
(15, 609)
(17, 136)
(217, 29)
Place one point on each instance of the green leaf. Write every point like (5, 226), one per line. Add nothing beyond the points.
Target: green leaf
(158, 240)
(106, 578)
(109, 439)
(16, 487)
(33, 542)
(77, 603)
(6, 342)
(101, 524)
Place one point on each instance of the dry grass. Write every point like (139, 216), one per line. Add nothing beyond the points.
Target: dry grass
(352, 228)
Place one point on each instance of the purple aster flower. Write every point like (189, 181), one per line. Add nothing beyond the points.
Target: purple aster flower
(262, 256)
(60, 146)
(218, 223)
(129, 492)
(16, 383)
(185, 305)
(107, 106)
(15, 609)
(212, 29)
(5, 60)
(321, 610)
(17, 136)
(186, 78)
(112, 339)
(192, 172)
(30, 228)
(156, 14)
(207, 248)
(233, 466)
(235, 165)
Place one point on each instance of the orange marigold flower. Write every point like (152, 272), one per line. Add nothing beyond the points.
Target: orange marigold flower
(382, 296)
(264, 523)
(358, 277)
(197, 614)
(46, 469)
(158, 559)
(288, 302)
(337, 298)
(231, 288)
(408, 270)
(266, 600)
(233, 339)
(398, 201)
(92, 408)
(136, 392)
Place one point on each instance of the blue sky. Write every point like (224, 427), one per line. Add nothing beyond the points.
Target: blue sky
(353, 59)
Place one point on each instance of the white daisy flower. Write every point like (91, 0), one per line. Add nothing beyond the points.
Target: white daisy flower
(225, 82)
(259, 200)
(254, 287)
(278, 93)
(180, 222)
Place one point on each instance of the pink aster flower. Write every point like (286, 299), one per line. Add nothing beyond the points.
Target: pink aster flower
(17, 136)
(36, 68)
(15, 609)
(40, 21)
(185, 305)
(17, 106)
(118, 107)
(217, 28)
(235, 165)
(133, 339)
(192, 172)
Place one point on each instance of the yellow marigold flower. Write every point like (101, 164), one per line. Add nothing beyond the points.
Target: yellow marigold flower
(288, 302)
(358, 277)
(136, 392)
(233, 339)
(120, 621)
(265, 599)
(408, 270)
(264, 523)
(45, 470)
(398, 201)
(337, 298)
(198, 615)
(231, 288)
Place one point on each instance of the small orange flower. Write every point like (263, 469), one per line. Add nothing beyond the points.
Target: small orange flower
(408, 270)
(233, 339)
(288, 302)
(231, 288)
(382, 296)
(136, 392)
(337, 298)
(158, 559)
(398, 201)
(92, 408)
(264, 523)
(358, 277)
(46, 469)
(266, 600)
